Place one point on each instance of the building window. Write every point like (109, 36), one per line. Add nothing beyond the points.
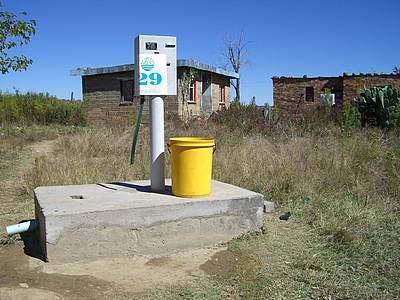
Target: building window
(309, 94)
(222, 98)
(192, 92)
(126, 90)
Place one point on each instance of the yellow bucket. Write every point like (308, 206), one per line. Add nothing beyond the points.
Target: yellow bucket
(191, 164)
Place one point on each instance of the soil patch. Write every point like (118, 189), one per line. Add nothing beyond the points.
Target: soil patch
(101, 279)
(220, 263)
(227, 263)
(159, 261)
(17, 275)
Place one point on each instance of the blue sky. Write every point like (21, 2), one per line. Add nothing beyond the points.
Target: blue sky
(286, 37)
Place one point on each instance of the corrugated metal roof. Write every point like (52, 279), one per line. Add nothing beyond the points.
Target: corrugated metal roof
(197, 65)
(190, 63)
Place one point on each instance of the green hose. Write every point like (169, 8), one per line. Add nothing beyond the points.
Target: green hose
(136, 134)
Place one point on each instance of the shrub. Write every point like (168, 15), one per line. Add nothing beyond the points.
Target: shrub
(246, 118)
(39, 108)
(350, 117)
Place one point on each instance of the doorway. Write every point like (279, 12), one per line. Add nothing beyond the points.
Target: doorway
(206, 101)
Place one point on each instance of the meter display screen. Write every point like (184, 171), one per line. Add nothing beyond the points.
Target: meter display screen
(151, 46)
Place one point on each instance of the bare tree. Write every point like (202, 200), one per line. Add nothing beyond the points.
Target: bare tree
(396, 70)
(235, 53)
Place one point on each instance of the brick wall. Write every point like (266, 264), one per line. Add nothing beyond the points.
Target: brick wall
(187, 109)
(216, 82)
(351, 84)
(102, 98)
(104, 109)
(289, 93)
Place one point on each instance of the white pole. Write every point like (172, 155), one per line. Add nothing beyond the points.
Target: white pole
(157, 144)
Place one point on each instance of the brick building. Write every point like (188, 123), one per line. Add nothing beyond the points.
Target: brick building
(296, 96)
(108, 93)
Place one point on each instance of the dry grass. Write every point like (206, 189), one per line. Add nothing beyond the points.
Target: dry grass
(342, 188)
(88, 157)
(16, 158)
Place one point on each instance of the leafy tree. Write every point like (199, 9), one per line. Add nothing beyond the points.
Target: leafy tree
(14, 32)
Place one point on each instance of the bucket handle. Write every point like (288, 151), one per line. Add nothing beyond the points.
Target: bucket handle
(169, 148)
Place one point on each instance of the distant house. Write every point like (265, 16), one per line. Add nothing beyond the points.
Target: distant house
(295, 95)
(109, 98)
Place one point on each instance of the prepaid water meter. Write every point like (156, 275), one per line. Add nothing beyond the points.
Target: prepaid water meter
(155, 65)
(155, 75)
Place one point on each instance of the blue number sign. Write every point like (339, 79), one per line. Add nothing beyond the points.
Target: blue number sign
(147, 64)
(152, 74)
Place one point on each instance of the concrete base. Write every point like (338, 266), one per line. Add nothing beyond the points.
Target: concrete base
(81, 222)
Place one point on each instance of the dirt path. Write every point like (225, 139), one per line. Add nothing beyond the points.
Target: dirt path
(22, 276)
(14, 205)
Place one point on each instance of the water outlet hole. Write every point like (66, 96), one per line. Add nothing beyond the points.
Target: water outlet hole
(77, 197)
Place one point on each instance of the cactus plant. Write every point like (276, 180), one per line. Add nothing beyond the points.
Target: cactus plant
(379, 106)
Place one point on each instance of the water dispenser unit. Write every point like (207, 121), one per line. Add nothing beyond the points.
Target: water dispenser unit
(155, 75)
(155, 55)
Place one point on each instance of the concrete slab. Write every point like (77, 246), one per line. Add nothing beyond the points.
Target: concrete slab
(81, 222)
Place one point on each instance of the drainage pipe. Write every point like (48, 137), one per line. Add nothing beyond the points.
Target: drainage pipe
(22, 227)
